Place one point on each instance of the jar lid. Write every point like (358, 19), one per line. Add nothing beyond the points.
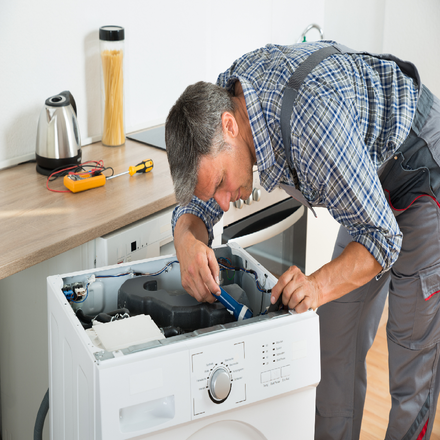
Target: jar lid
(111, 33)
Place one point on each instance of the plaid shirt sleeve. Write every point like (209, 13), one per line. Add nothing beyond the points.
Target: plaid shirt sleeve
(210, 212)
(336, 171)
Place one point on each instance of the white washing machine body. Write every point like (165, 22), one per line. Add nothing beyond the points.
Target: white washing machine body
(252, 379)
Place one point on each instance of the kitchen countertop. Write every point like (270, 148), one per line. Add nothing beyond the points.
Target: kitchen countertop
(38, 224)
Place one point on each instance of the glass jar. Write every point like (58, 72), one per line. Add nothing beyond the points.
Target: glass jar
(111, 40)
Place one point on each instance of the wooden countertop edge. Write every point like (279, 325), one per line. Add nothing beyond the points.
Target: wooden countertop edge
(48, 224)
(64, 245)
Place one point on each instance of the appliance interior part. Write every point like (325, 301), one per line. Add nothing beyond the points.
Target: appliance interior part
(175, 308)
(158, 294)
(123, 333)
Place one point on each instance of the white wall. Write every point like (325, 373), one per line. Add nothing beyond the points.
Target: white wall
(50, 46)
(411, 32)
(358, 24)
(405, 28)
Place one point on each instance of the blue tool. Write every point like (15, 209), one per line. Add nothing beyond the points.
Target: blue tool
(240, 311)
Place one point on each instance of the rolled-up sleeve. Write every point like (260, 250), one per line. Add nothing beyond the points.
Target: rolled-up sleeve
(210, 212)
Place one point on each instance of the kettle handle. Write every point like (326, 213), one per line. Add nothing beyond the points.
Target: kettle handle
(70, 97)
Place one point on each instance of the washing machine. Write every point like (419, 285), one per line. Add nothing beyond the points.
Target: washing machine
(133, 356)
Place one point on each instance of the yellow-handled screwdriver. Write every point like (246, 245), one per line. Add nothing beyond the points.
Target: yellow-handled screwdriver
(144, 167)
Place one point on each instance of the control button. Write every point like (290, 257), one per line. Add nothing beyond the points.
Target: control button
(275, 374)
(220, 385)
(256, 194)
(239, 203)
(265, 377)
(285, 371)
(249, 200)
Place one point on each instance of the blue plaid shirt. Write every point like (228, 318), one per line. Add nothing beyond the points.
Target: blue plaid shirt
(351, 114)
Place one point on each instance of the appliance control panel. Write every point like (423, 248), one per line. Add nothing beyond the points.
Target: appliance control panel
(233, 372)
(257, 201)
(218, 377)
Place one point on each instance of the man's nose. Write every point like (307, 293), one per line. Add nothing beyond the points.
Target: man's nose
(223, 199)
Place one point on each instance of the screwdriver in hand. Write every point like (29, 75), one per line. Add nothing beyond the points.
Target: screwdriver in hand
(144, 167)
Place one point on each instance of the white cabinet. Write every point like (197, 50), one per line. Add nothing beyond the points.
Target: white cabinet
(24, 376)
(146, 238)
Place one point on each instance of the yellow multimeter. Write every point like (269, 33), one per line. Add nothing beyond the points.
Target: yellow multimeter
(77, 182)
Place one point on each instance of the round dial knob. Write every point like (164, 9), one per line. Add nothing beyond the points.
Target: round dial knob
(249, 200)
(256, 194)
(239, 204)
(220, 385)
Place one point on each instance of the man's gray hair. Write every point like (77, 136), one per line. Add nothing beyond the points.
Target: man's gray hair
(194, 129)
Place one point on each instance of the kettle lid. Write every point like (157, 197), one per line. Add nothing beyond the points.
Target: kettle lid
(63, 99)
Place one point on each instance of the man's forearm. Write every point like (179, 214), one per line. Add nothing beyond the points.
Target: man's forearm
(352, 269)
(190, 225)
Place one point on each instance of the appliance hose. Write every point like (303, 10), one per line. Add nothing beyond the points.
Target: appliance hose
(41, 416)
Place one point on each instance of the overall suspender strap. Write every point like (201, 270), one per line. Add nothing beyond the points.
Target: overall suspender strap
(295, 82)
(298, 77)
(291, 91)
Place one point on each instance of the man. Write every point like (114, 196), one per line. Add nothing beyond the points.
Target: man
(363, 140)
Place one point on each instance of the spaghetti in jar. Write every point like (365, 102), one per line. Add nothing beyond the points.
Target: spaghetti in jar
(112, 62)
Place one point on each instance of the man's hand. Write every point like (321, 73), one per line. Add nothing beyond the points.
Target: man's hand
(199, 271)
(298, 291)
(198, 264)
(352, 269)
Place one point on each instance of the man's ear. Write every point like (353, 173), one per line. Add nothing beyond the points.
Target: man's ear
(229, 125)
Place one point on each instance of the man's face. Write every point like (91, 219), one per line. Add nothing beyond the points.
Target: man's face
(226, 177)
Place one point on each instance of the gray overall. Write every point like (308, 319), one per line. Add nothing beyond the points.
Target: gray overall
(411, 182)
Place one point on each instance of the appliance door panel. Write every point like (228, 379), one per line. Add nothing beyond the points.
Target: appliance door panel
(294, 414)
(257, 237)
(228, 429)
(276, 236)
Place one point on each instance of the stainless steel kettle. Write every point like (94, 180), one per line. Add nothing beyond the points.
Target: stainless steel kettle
(58, 139)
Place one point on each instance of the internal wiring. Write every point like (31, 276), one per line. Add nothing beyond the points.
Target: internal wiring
(91, 280)
(90, 168)
(114, 276)
(224, 264)
(70, 296)
(85, 296)
(164, 269)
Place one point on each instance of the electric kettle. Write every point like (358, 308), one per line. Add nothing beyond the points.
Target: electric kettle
(58, 139)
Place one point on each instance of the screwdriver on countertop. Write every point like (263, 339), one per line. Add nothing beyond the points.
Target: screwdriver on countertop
(143, 167)
(77, 183)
